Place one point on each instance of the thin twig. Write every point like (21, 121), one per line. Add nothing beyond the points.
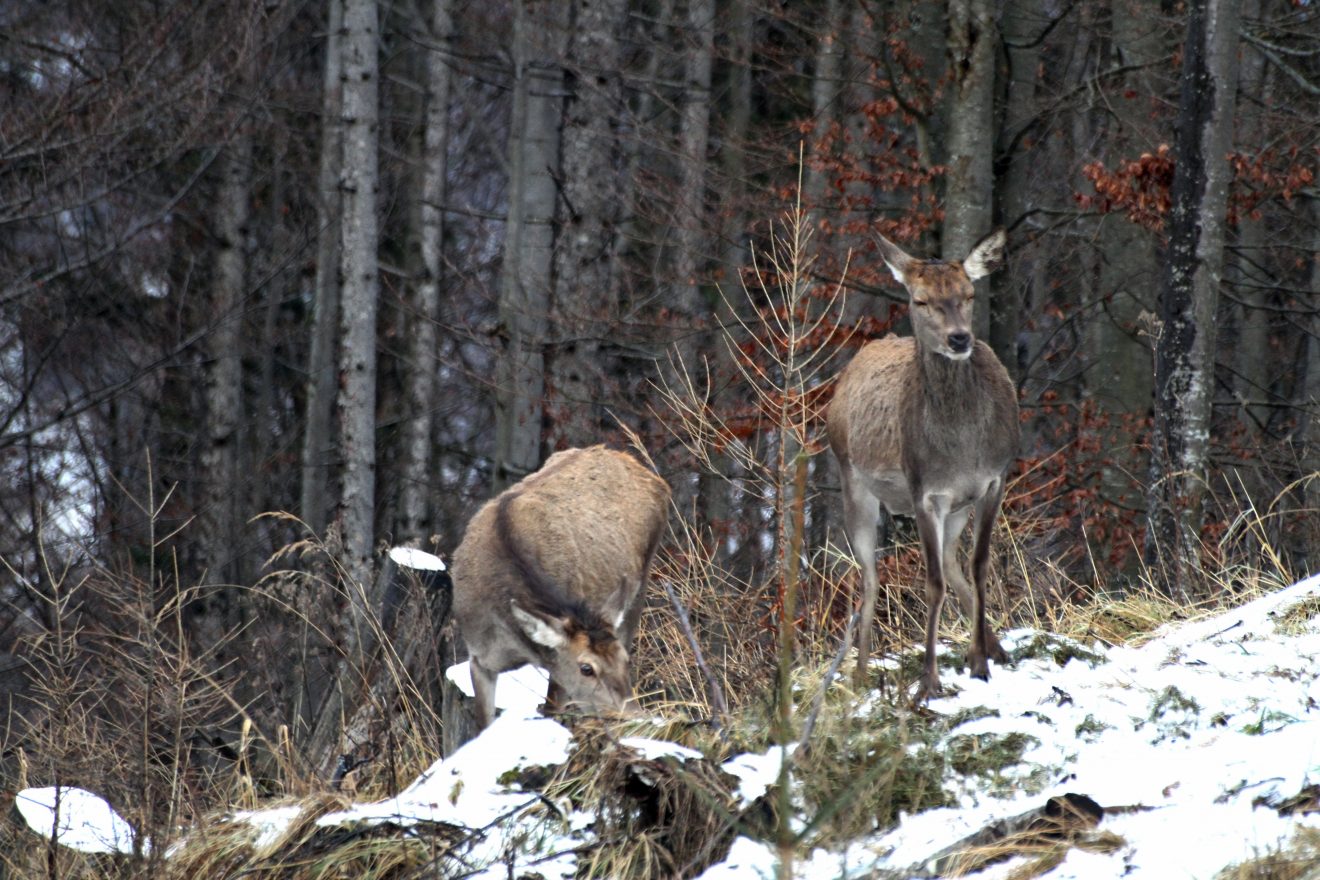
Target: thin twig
(716, 692)
(809, 725)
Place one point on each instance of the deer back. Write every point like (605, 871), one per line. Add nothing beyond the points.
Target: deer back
(547, 570)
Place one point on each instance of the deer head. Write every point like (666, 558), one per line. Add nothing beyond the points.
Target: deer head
(941, 294)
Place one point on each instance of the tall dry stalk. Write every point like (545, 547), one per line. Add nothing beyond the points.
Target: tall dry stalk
(781, 344)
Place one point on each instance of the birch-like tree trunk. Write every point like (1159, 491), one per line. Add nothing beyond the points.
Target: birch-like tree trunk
(316, 449)
(423, 364)
(359, 236)
(973, 39)
(356, 402)
(222, 524)
(529, 237)
(1185, 352)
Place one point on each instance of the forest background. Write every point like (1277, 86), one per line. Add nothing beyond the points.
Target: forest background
(366, 263)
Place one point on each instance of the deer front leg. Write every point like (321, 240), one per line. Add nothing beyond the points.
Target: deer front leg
(931, 516)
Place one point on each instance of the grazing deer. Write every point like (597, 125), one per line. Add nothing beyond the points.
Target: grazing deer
(927, 427)
(551, 572)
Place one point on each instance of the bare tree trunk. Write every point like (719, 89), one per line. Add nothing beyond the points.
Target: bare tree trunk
(1185, 354)
(694, 139)
(697, 347)
(423, 366)
(969, 135)
(275, 240)
(720, 498)
(1022, 23)
(585, 271)
(1254, 368)
(1119, 375)
(316, 450)
(222, 524)
(529, 238)
(825, 90)
(1308, 431)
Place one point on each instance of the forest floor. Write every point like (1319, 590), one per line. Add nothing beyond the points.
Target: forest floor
(1193, 751)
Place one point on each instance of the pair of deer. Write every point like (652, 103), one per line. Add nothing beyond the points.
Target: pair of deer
(551, 572)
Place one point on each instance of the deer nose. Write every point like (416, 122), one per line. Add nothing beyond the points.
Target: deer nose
(960, 342)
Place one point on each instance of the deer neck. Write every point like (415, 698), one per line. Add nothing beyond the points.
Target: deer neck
(946, 383)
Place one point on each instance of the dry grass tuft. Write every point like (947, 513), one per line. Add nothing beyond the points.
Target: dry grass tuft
(1298, 860)
(654, 818)
(303, 850)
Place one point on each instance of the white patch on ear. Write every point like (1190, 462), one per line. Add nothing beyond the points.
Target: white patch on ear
(618, 620)
(985, 257)
(895, 258)
(538, 629)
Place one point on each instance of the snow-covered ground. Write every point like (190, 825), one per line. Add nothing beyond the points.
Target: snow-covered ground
(1196, 736)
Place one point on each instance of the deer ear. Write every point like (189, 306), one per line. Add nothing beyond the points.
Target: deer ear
(897, 259)
(985, 257)
(615, 608)
(544, 630)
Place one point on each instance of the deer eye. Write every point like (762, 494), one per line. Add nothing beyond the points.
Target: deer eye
(587, 670)
(920, 302)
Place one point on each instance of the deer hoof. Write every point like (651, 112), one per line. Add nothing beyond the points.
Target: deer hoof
(929, 690)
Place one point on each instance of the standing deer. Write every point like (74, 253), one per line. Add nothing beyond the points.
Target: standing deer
(551, 572)
(927, 427)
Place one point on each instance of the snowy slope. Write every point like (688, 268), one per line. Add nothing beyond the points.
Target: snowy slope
(1195, 728)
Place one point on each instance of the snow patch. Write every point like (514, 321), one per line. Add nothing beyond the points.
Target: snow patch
(77, 819)
(419, 560)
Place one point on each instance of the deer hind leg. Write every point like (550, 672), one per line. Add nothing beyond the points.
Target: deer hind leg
(953, 570)
(861, 513)
(483, 688)
(984, 641)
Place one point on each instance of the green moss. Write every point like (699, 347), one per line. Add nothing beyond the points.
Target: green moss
(863, 770)
(1170, 712)
(988, 755)
(1060, 649)
(1268, 722)
(964, 716)
(1172, 700)
(1090, 729)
